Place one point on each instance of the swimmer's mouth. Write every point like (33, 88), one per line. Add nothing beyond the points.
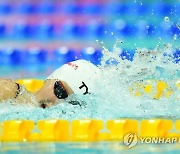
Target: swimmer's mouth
(47, 103)
(59, 90)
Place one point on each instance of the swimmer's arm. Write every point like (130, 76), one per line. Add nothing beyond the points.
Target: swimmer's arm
(26, 97)
(8, 89)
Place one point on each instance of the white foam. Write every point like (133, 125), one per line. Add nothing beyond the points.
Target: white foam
(113, 99)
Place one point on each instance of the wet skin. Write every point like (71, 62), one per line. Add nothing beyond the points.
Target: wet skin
(46, 94)
(45, 97)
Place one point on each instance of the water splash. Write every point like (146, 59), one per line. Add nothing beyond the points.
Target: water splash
(166, 19)
(115, 90)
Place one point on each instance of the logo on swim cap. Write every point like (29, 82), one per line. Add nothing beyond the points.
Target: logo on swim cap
(86, 87)
(73, 65)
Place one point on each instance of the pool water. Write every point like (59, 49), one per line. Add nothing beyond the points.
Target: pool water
(113, 98)
(87, 147)
(151, 26)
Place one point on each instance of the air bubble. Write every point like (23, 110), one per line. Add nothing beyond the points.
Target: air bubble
(178, 25)
(166, 19)
(175, 37)
(120, 41)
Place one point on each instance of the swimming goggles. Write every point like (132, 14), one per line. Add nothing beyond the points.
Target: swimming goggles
(59, 90)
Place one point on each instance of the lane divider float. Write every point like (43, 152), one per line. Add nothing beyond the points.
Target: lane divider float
(86, 130)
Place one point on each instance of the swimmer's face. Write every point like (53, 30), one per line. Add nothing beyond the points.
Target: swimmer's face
(52, 91)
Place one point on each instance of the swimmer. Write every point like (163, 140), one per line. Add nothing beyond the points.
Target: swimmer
(79, 77)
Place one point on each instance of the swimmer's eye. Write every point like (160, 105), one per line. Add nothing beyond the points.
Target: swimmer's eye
(18, 90)
(59, 90)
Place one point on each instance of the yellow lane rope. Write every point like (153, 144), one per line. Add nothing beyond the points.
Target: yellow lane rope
(86, 129)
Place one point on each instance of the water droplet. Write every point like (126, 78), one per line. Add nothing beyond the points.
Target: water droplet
(175, 37)
(147, 27)
(166, 19)
(178, 25)
(119, 41)
(90, 50)
(102, 43)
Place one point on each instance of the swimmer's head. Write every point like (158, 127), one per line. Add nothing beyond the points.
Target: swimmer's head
(52, 91)
(79, 77)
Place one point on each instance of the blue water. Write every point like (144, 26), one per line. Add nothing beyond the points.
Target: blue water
(113, 99)
(138, 24)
